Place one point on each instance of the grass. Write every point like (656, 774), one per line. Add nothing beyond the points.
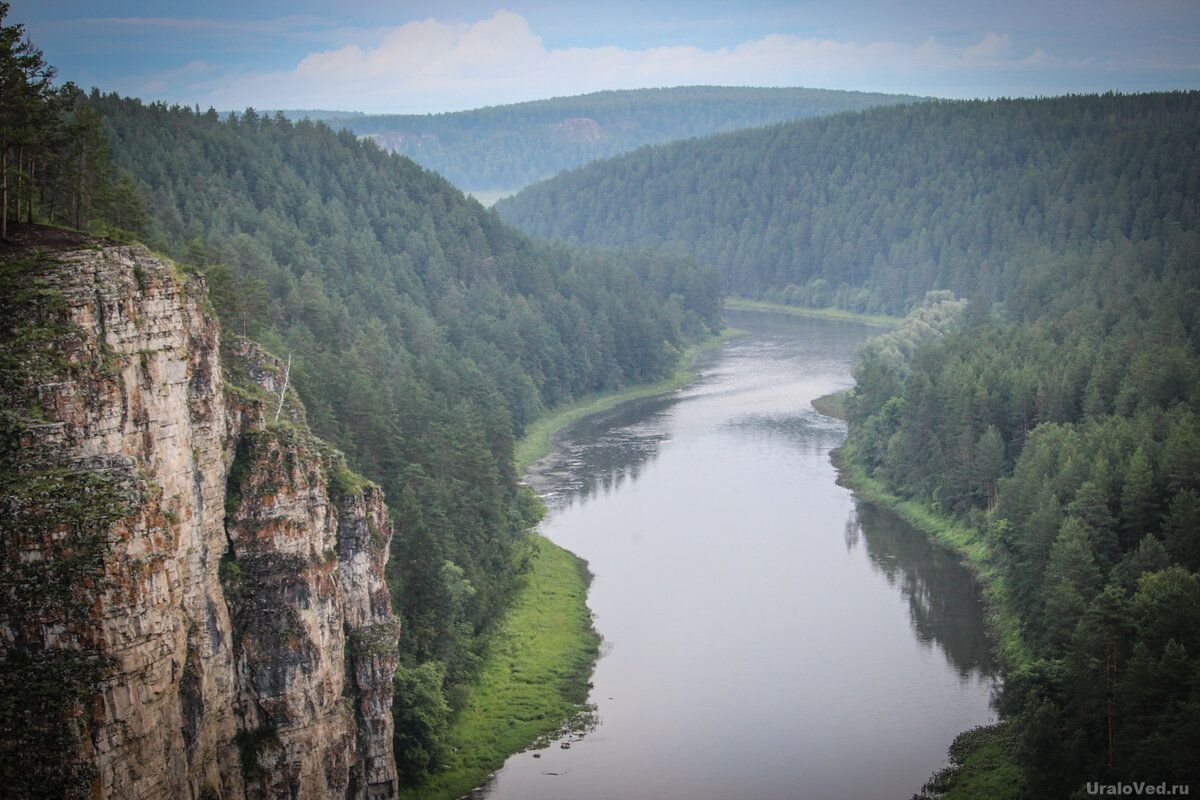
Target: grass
(746, 304)
(539, 435)
(832, 405)
(963, 539)
(983, 763)
(534, 677)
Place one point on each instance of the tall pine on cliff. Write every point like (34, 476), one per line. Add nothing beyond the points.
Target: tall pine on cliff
(424, 333)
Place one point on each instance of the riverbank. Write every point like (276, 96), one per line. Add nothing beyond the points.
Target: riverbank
(832, 405)
(539, 435)
(983, 761)
(746, 304)
(533, 679)
(964, 540)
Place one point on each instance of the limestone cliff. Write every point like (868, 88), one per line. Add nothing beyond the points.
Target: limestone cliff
(192, 595)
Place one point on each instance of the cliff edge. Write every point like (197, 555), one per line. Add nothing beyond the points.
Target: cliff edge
(192, 594)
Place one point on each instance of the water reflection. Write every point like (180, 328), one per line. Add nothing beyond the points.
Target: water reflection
(762, 634)
(807, 430)
(943, 596)
(598, 455)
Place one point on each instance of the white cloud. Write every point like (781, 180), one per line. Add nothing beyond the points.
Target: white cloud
(434, 65)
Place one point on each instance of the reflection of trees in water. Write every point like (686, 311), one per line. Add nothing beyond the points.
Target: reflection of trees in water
(599, 454)
(808, 429)
(943, 597)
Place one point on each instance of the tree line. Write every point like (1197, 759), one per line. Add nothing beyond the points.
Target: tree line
(511, 146)
(54, 162)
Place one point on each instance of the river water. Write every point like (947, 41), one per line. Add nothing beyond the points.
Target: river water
(765, 635)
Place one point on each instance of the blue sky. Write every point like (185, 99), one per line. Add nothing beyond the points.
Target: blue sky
(416, 57)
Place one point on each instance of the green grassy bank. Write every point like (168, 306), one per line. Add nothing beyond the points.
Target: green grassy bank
(539, 436)
(983, 766)
(534, 678)
(832, 405)
(745, 304)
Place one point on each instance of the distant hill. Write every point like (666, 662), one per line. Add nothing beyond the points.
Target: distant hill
(871, 210)
(503, 148)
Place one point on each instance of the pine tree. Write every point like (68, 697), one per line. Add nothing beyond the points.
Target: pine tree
(1138, 501)
(25, 89)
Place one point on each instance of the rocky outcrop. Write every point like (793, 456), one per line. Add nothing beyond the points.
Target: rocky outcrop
(192, 594)
(580, 129)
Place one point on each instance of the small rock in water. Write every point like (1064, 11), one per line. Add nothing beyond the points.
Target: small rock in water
(537, 755)
(565, 745)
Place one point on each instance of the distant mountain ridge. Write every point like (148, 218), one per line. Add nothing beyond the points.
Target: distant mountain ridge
(511, 146)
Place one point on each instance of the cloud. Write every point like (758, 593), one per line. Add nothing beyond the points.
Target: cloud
(434, 65)
(190, 71)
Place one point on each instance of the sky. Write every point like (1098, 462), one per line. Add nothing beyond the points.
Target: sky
(396, 56)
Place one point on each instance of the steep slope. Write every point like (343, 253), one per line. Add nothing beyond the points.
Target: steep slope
(869, 211)
(193, 598)
(508, 147)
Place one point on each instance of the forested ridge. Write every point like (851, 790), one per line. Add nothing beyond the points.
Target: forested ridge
(507, 147)
(868, 211)
(1064, 436)
(424, 334)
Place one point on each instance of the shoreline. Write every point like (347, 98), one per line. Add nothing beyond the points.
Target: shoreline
(538, 441)
(1001, 621)
(982, 760)
(877, 320)
(535, 678)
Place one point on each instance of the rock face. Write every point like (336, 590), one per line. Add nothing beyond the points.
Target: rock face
(580, 129)
(192, 594)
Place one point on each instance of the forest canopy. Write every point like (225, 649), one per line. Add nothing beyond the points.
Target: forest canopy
(869, 211)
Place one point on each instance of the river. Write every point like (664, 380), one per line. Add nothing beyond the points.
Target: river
(765, 635)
